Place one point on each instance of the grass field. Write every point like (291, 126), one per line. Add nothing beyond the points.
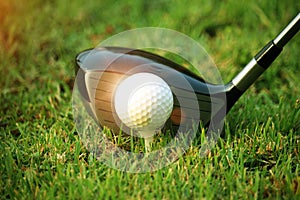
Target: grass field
(41, 155)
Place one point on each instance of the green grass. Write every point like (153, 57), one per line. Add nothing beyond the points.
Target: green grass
(41, 154)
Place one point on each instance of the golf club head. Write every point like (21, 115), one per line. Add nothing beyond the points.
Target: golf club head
(101, 70)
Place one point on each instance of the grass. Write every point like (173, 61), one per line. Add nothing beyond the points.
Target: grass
(41, 154)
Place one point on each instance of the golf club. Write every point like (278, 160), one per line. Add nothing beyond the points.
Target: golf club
(101, 71)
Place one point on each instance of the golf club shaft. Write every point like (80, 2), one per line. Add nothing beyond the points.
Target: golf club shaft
(290, 30)
(265, 57)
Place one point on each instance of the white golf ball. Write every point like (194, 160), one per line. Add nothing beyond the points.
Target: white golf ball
(143, 101)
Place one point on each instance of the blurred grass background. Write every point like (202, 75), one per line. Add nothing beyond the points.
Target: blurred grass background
(40, 153)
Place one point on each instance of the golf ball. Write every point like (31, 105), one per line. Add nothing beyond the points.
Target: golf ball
(143, 102)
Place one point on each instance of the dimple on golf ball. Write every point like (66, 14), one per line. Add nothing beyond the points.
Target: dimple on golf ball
(143, 101)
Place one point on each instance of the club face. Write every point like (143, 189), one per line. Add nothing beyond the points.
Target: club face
(99, 71)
